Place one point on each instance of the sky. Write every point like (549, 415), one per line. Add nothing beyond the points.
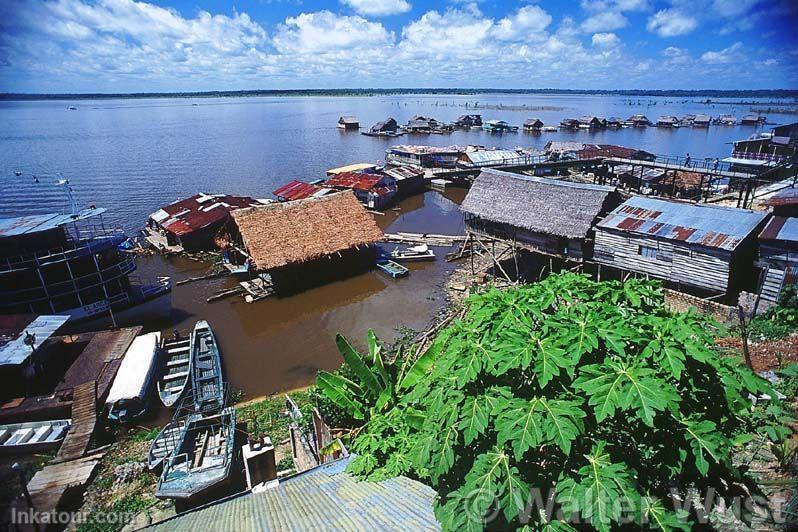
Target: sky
(70, 46)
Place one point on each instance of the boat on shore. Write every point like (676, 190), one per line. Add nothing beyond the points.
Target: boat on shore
(128, 397)
(392, 268)
(206, 371)
(202, 457)
(165, 443)
(175, 374)
(34, 436)
(422, 252)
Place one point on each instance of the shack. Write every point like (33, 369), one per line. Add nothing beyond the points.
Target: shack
(701, 121)
(467, 121)
(614, 122)
(667, 121)
(191, 224)
(498, 126)
(423, 156)
(422, 124)
(533, 124)
(295, 190)
(376, 191)
(545, 216)
(638, 121)
(348, 123)
(778, 258)
(409, 180)
(707, 250)
(385, 128)
(591, 122)
(306, 243)
(569, 123)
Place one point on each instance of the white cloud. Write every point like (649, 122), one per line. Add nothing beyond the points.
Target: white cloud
(528, 21)
(605, 40)
(604, 21)
(676, 56)
(671, 23)
(614, 5)
(323, 32)
(727, 55)
(378, 8)
(458, 32)
(733, 8)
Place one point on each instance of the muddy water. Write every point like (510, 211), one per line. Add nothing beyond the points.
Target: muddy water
(279, 344)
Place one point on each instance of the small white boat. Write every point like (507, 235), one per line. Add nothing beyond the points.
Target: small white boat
(549, 129)
(414, 253)
(34, 436)
(127, 398)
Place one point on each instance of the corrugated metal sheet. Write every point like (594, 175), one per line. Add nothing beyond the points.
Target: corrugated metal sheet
(781, 228)
(358, 167)
(706, 225)
(296, 190)
(324, 498)
(15, 351)
(492, 156)
(42, 222)
(199, 211)
(784, 197)
(403, 172)
(354, 180)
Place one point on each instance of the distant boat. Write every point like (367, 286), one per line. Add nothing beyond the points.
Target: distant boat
(127, 398)
(392, 268)
(415, 253)
(201, 458)
(549, 129)
(34, 436)
(175, 370)
(165, 443)
(206, 371)
(72, 108)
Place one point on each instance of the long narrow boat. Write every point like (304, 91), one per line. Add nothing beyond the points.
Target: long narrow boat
(176, 370)
(392, 268)
(206, 371)
(128, 397)
(165, 443)
(202, 458)
(421, 252)
(34, 436)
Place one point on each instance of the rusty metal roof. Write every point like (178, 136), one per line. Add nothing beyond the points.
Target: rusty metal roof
(781, 228)
(784, 197)
(701, 224)
(296, 190)
(42, 222)
(354, 180)
(199, 211)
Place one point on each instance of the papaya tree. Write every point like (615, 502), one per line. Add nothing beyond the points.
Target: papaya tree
(571, 402)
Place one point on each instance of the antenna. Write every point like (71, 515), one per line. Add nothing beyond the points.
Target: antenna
(73, 206)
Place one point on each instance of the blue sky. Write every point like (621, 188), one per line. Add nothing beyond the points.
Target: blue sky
(190, 45)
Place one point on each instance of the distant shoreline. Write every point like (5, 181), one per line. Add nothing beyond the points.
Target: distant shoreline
(763, 93)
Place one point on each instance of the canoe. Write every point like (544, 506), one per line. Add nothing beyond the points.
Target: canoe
(165, 443)
(415, 253)
(392, 268)
(175, 371)
(206, 370)
(202, 458)
(127, 398)
(34, 436)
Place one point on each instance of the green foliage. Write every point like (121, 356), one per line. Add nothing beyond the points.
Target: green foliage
(788, 380)
(778, 321)
(592, 391)
(116, 516)
(146, 434)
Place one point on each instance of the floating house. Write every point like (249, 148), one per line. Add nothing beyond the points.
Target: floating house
(375, 191)
(423, 124)
(778, 258)
(69, 264)
(569, 123)
(614, 122)
(547, 216)
(307, 242)
(498, 126)
(348, 123)
(706, 249)
(386, 128)
(667, 121)
(468, 121)
(488, 158)
(191, 224)
(533, 124)
(423, 156)
(409, 180)
(591, 122)
(727, 120)
(638, 121)
(363, 168)
(295, 190)
(780, 146)
(701, 121)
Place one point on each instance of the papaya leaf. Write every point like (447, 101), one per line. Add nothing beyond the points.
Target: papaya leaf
(342, 392)
(355, 362)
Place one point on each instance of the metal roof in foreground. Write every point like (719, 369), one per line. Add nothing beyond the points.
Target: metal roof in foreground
(323, 498)
(16, 351)
(42, 222)
(696, 223)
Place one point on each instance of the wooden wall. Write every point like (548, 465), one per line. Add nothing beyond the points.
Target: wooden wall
(543, 242)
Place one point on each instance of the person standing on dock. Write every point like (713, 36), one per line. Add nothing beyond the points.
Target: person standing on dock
(687, 161)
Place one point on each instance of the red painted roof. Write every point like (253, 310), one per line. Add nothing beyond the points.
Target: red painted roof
(296, 190)
(354, 180)
(199, 211)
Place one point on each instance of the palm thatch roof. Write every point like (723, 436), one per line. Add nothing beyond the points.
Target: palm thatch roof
(280, 234)
(538, 204)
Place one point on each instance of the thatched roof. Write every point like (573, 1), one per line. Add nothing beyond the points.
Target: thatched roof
(279, 234)
(537, 204)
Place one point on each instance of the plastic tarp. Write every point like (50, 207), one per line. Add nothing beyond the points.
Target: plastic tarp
(135, 372)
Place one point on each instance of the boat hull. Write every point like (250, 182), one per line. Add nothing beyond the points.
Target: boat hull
(33, 437)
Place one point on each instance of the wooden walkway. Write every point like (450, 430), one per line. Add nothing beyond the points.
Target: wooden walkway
(423, 238)
(84, 420)
(680, 167)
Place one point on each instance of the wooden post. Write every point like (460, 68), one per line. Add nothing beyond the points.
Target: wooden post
(744, 336)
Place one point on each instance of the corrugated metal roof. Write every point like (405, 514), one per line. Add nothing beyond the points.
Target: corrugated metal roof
(324, 498)
(491, 156)
(403, 172)
(296, 190)
(42, 222)
(781, 228)
(784, 197)
(706, 225)
(15, 351)
(357, 167)
(354, 180)
(199, 211)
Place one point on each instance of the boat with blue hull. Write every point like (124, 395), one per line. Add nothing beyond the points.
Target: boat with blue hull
(206, 371)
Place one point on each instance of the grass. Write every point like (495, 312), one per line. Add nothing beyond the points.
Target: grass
(268, 417)
(116, 516)
(146, 434)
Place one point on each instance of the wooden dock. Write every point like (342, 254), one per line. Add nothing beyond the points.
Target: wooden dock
(423, 238)
(49, 487)
(257, 289)
(84, 421)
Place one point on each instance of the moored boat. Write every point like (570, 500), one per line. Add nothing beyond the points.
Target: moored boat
(392, 268)
(202, 457)
(175, 370)
(206, 371)
(128, 397)
(421, 252)
(165, 443)
(34, 436)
